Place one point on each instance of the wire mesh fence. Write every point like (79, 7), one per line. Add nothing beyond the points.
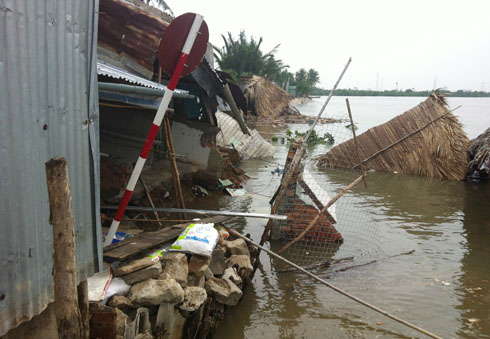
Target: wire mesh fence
(315, 232)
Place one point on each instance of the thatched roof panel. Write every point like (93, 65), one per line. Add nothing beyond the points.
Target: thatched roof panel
(265, 99)
(427, 140)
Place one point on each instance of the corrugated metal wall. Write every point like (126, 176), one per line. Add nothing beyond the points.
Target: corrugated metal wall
(47, 94)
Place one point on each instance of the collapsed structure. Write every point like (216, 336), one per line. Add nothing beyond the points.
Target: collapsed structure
(427, 140)
(479, 155)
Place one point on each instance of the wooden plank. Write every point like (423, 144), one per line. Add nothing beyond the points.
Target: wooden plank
(150, 240)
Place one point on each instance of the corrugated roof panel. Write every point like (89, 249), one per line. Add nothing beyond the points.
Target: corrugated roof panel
(47, 96)
(115, 72)
(251, 146)
(109, 70)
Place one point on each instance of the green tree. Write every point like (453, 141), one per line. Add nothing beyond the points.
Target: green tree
(305, 81)
(301, 82)
(312, 79)
(243, 57)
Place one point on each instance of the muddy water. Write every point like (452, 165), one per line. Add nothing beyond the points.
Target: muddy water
(444, 286)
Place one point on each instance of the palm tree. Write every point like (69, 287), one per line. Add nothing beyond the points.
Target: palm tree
(313, 78)
(244, 57)
(301, 82)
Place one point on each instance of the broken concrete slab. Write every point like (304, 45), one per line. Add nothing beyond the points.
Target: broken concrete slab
(197, 270)
(217, 264)
(133, 266)
(156, 292)
(121, 320)
(242, 263)
(175, 265)
(224, 291)
(151, 272)
(194, 298)
(169, 323)
(238, 246)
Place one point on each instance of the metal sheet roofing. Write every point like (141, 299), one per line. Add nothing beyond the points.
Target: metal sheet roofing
(48, 108)
(248, 146)
(115, 72)
(111, 71)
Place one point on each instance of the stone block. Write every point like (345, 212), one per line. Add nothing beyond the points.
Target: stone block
(120, 302)
(217, 264)
(151, 272)
(197, 270)
(224, 291)
(209, 274)
(242, 264)
(175, 265)
(156, 292)
(193, 299)
(132, 266)
(238, 247)
(232, 275)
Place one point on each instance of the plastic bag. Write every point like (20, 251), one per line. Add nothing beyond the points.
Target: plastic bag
(197, 239)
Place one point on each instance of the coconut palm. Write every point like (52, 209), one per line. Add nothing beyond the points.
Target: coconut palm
(244, 57)
(313, 78)
(301, 82)
(306, 81)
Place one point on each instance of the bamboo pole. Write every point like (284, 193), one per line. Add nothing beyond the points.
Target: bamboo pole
(68, 315)
(355, 137)
(147, 192)
(297, 158)
(330, 203)
(173, 166)
(336, 289)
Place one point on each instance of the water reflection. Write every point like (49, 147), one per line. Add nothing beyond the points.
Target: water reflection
(443, 286)
(475, 264)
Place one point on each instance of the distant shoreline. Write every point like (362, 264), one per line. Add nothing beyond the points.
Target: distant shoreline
(406, 93)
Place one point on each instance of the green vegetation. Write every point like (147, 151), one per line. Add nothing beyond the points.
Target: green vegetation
(305, 81)
(314, 138)
(394, 93)
(242, 57)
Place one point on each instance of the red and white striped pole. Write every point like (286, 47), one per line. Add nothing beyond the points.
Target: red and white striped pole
(174, 79)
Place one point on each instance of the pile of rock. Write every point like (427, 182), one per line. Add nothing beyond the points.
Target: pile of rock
(186, 295)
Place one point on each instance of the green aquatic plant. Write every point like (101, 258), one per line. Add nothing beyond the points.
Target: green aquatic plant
(314, 138)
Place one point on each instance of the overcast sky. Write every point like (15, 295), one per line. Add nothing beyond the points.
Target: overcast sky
(417, 44)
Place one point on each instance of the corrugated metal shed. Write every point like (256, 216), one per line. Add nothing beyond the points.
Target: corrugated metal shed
(48, 97)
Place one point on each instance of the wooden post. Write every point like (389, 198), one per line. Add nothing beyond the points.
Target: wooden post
(173, 166)
(234, 109)
(84, 310)
(147, 191)
(64, 262)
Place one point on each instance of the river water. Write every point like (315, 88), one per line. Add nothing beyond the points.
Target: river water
(444, 286)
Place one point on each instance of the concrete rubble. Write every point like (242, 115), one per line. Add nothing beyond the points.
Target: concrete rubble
(186, 295)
